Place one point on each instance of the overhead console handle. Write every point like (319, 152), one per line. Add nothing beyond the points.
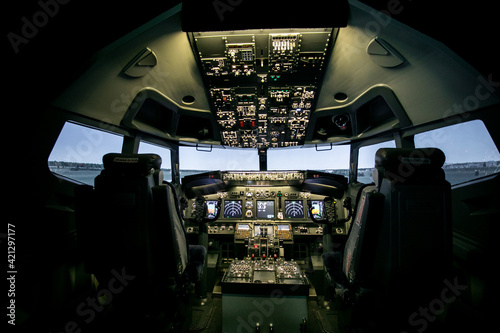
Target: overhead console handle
(222, 15)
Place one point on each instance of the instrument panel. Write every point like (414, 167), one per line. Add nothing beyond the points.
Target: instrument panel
(256, 203)
(262, 203)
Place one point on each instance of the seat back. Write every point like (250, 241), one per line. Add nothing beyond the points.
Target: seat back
(125, 210)
(415, 244)
(130, 224)
(359, 254)
(176, 247)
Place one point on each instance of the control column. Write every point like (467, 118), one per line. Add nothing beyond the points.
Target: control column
(202, 214)
(324, 213)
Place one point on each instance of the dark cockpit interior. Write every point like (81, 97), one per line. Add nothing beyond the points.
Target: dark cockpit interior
(251, 166)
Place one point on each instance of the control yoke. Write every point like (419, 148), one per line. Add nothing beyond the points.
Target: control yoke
(325, 213)
(206, 211)
(329, 211)
(328, 214)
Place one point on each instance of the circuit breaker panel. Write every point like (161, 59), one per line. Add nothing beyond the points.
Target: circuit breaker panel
(263, 84)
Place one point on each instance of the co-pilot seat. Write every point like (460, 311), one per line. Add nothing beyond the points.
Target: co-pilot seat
(398, 250)
(416, 233)
(130, 226)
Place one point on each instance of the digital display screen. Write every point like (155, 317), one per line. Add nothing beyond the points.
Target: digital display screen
(233, 209)
(317, 209)
(283, 227)
(265, 209)
(294, 209)
(243, 227)
(211, 209)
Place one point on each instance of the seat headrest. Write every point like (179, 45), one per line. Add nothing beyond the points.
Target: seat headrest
(404, 164)
(138, 164)
(391, 159)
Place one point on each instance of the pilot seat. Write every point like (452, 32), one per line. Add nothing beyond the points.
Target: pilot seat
(132, 238)
(398, 251)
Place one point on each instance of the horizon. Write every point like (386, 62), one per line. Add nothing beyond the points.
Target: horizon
(469, 140)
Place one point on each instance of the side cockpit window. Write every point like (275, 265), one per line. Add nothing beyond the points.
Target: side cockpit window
(470, 151)
(163, 152)
(78, 151)
(366, 160)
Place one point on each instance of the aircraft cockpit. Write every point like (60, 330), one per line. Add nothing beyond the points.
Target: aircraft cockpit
(252, 166)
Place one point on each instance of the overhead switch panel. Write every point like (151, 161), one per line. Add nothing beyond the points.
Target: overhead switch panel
(263, 85)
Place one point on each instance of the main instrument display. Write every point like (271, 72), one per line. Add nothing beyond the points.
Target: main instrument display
(284, 199)
(294, 209)
(273, 203)
(233, 209)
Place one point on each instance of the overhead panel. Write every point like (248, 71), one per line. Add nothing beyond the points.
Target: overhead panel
(263, 84)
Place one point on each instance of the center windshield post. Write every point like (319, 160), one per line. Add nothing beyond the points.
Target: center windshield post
(263, 159)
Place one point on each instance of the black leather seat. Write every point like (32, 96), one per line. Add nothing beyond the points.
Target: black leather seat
(130, 224)
(398, 249)
(417, 228)
(352, 268)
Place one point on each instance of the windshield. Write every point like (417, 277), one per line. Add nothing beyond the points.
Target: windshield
(193, 160)
(334, 160)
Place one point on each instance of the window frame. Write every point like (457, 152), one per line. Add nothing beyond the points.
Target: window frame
(386, 139)
(466, 118)
(100, 127)
(488, 115)
(356, 145)
(171, 164)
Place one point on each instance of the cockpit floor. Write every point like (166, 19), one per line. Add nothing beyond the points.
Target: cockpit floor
(207, 318)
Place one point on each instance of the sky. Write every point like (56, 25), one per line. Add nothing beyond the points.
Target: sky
(463, 142)
(82, 144)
